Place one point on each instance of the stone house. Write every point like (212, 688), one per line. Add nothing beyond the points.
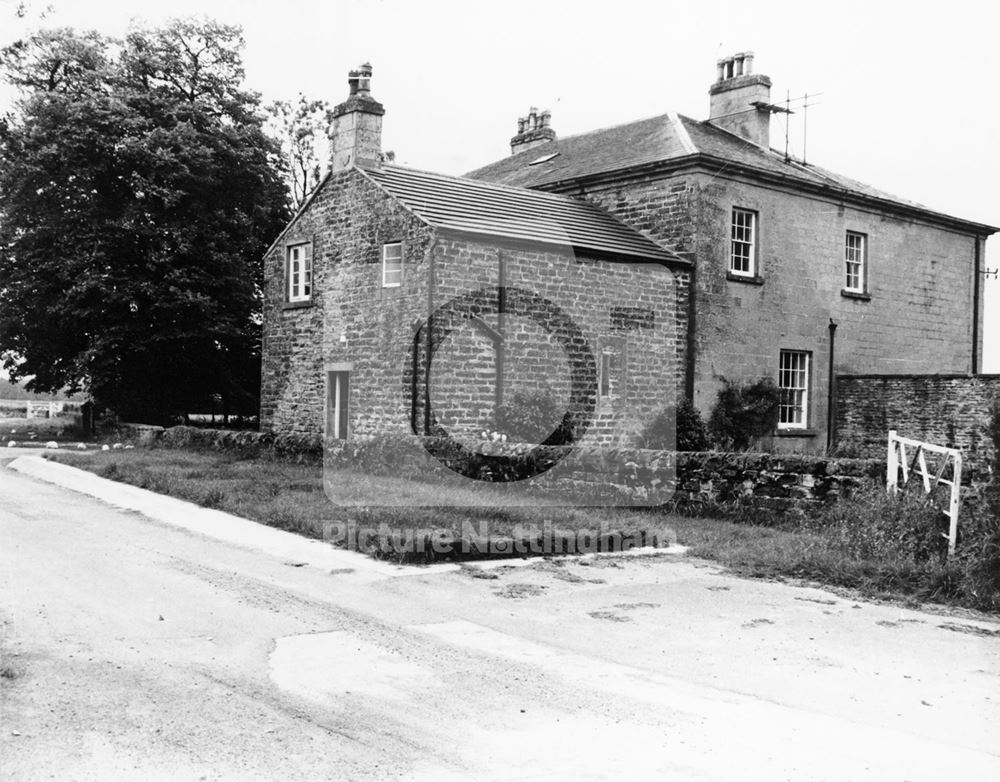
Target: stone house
(684, 252)
(799, 273)
(523, 291)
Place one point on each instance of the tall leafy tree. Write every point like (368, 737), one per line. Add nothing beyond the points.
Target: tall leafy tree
(138, 192)
(303, 130)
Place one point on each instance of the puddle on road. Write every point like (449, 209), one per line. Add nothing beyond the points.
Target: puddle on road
(320, 666)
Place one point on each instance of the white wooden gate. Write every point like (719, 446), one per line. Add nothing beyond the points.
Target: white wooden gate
(897, 463)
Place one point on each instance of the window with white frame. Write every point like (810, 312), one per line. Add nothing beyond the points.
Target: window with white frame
(793, 385)
(855, 250)
(392, 265)
(299, 272)
(743, 244)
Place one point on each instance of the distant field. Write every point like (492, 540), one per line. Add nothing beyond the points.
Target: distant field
(12, 391)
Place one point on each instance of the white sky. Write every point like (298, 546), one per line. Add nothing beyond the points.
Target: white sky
(909, 98)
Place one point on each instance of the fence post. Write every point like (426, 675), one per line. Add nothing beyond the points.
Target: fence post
(954, 503)
(892, 467)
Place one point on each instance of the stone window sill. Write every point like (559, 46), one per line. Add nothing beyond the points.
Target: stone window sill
(795, 433)
(855, 295)
(755, 280)
(296, 305)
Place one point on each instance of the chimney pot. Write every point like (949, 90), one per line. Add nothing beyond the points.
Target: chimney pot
(365, 79)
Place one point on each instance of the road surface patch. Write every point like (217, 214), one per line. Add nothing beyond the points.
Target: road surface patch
(326, 667)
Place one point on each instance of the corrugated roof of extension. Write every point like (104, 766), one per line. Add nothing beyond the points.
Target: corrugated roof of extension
(673, 137)
(487, 209)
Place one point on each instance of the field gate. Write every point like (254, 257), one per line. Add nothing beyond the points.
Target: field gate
(896, 466)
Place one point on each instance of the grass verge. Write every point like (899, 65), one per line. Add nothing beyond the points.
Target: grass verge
(879, 546)
(290, 496)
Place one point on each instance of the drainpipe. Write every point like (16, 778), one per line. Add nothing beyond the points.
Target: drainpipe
(975, 307)
(830, 398)
(501, 322)
(430, 335)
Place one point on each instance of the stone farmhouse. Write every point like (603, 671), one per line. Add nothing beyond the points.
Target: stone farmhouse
(685, 252)
(524, 290)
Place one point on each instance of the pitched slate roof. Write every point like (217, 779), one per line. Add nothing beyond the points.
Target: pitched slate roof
(666, 138)
(468, 206)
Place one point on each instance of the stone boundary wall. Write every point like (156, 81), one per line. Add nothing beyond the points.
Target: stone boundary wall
(773, 481)
(242, 441)
(949, 410)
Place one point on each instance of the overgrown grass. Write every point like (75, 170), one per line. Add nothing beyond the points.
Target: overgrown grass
(878, 545)
(884, 546)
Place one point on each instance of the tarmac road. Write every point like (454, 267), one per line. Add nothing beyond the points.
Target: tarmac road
(136, 650)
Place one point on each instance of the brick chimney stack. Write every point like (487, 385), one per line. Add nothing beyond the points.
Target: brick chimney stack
(532, 131)
(356, 136)
(740, 98)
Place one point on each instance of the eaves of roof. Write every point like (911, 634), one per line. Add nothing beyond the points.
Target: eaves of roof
(670, 143)
(714, 165)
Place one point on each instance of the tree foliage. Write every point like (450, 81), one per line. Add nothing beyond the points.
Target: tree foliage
(303, 130)
(138, 192)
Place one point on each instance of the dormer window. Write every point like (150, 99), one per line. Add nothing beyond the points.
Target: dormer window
(392, 265)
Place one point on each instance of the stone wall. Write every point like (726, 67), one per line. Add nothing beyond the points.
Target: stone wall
(949, 410)
(626, 476)
(774, 481)
(564, 310)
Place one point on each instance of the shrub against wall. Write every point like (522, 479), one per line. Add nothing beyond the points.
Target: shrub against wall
(744, 412)
(681, 430)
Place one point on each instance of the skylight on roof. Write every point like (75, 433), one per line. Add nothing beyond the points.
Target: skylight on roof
(543, 159)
